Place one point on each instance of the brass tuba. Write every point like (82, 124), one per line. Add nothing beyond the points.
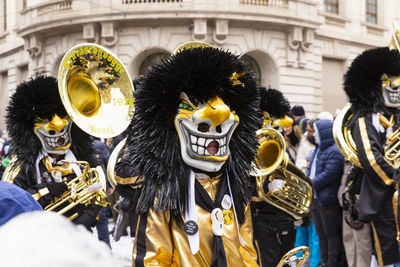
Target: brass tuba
(392, 149)
(81, 190)
(271, 162)
(115, 157)
(97, 93)
(344, 140)
(342, 135)
(292, 260)
(96, 90)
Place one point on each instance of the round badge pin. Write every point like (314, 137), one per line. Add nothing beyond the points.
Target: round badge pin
(190, 227)
(226, 202)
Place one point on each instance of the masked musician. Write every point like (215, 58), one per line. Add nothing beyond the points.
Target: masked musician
(191, 144)
(372, 84)
(274, 230)
(42, 136)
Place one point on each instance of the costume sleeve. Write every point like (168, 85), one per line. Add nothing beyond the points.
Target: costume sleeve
(39, 192)
(333, 169)
(370, 151)
(247, 251)
(128, 183)
(153, 245)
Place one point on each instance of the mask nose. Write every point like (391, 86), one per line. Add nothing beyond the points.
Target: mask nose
(56, 124)
(286, 121)
(216, 112)
(395, 84)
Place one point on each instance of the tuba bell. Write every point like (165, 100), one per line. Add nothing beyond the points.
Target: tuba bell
(96, 90)
(342, 135)
(271, 162)
(97, 93)
(115, 157)
(290, 258)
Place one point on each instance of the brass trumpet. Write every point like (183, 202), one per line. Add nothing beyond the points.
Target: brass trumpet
(296, 195)
(81, 190)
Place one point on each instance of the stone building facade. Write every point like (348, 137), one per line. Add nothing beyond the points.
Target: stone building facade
(301, 47)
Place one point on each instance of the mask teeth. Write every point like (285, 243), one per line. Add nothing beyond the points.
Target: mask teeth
(394, 97)
(199, 145)
(52, 141)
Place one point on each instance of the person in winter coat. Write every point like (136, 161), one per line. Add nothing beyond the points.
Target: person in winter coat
(292, 136)
(325, 171)
(306, 235)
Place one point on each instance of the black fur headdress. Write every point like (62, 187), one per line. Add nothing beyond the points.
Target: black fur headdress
(38, 97)
(362, 81)
(273, 102)
(153, 144)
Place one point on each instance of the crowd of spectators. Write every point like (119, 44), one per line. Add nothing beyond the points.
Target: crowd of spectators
(4, 151)
(334, 236)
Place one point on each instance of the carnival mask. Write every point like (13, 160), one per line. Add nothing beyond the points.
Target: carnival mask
(271, 121)
(204, 132)
(55, 135)
(391, 90)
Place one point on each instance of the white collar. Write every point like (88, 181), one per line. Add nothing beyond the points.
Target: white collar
(191, 214)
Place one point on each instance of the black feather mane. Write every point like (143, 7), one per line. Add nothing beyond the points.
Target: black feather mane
(153, 143)
(362, 81)
(273, 102)
(37, 97)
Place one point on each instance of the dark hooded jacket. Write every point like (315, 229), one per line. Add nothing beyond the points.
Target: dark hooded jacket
(329, 164)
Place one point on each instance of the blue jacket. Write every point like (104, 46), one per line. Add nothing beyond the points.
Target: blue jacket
(329, 164)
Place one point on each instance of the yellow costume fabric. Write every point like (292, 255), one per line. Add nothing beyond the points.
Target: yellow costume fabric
(161, 241)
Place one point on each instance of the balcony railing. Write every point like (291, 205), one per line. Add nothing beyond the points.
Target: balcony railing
(127, 2)
(45, 13)
(54, 7)
(271, 3)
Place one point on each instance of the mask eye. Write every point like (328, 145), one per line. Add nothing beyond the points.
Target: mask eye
(186, 106)
(39, 120)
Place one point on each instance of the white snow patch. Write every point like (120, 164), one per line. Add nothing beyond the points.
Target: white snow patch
(47, 239)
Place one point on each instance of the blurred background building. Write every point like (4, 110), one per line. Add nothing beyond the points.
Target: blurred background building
(301, 47)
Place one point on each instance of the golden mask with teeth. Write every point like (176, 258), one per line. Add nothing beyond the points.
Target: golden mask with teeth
(204, 132)
(54, 134)
(391, 90)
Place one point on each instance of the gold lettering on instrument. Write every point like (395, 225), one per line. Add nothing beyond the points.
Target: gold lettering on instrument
(82, 52)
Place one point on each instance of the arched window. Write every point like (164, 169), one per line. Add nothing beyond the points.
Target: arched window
(150, 60)
(253, 65)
